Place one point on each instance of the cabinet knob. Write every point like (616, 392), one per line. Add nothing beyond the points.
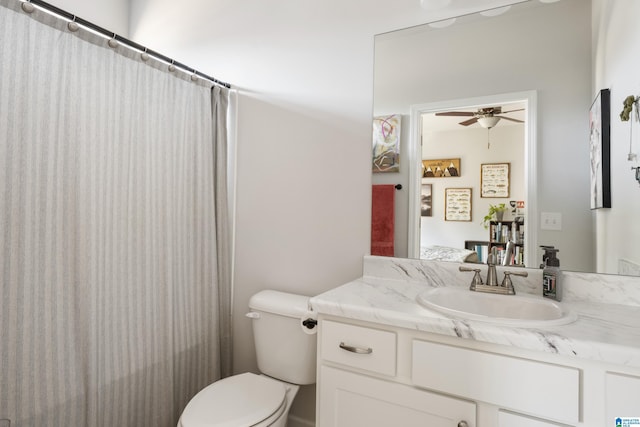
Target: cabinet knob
(463, 424)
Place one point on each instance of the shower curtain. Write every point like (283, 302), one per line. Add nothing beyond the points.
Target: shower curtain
(114, 257)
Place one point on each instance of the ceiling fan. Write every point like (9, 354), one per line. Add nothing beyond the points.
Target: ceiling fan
(486, 117)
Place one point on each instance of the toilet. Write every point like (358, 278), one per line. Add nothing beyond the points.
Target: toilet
(285, 342)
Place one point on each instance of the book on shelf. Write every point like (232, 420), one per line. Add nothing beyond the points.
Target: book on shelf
(506, 231)
(482, 251)
(518, 257)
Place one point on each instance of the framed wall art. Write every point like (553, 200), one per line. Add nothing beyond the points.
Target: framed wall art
(440, 168)
(426, 200)
(386, 143)
(600, 150)
(457, 204)
(494, 179)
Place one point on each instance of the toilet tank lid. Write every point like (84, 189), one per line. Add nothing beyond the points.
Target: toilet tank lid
(282, 303)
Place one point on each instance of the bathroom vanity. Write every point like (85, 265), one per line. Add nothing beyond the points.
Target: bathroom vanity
(384, 360)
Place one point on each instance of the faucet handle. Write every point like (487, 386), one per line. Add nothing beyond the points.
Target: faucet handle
(477, 279)
(507, 283)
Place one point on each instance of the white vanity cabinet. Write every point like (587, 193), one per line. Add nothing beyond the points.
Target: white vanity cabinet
(373, 375)
(358, 385)
(384, 360)
(376, 375)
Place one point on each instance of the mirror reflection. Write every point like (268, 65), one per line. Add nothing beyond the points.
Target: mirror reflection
(482, 149)
(534, 46)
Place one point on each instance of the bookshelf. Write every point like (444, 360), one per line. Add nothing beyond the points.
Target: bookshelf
(502, 232)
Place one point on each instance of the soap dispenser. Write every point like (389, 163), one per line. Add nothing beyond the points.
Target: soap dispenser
(551, 284)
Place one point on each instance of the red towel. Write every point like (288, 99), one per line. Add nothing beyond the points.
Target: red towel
(382, 219)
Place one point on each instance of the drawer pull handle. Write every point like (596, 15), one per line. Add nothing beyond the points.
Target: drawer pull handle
(463, 424)
(358, 350)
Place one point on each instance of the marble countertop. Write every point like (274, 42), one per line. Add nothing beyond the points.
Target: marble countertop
(604, 332)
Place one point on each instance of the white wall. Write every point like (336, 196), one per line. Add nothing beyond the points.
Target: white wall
(546, 49)
(617, 66)
(470, 145)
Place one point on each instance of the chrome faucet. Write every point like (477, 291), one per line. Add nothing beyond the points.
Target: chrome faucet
(492, 277)
(506, 287)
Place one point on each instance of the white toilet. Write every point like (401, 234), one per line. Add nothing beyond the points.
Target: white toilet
(286, 352)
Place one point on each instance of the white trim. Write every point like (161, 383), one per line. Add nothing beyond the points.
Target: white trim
(530, 98)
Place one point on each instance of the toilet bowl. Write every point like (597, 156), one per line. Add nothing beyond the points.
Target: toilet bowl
(241, 401)
(285, 340)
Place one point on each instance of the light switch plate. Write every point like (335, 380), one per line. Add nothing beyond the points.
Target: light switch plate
(551, 221)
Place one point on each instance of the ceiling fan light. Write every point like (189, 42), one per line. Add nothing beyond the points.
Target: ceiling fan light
(488, 122)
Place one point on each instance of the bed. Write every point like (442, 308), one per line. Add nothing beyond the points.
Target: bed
(445, 253)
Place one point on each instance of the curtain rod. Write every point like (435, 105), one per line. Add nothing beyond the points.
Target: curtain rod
(109, 34)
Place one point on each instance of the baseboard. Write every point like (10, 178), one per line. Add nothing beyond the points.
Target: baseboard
(294, 421)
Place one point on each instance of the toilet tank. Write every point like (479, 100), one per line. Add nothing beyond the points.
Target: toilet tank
(285, 349)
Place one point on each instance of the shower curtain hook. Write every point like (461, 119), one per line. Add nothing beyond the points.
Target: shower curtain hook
(144, 55)
(28, 7)
(113, 43)
(73, 25)
(172, 67)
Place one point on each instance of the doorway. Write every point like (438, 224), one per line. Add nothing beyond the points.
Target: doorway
(453, 232)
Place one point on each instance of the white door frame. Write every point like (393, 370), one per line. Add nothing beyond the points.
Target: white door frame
(529, 98)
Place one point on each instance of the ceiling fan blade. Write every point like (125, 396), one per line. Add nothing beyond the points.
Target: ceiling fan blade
(512, 111)
(509, 118)
(456, 113)
(469, 122)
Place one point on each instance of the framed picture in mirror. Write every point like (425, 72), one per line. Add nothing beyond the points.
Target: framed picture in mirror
(386, 143)
(457, 204)
(494, 179)
(441, 168)
(426, 200)
(600, 150)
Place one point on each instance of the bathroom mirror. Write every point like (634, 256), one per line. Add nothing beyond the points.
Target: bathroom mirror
(544, 48)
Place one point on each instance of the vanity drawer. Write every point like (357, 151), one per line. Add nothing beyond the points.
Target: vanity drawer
(363, 348)
(531, 387)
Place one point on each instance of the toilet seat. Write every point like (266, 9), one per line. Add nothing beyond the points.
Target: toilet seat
(245, 400)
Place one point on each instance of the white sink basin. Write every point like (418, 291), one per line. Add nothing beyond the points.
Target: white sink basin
(516, 310)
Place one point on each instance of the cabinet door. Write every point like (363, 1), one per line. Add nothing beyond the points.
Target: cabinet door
(508, 419)
(622, 397)
(347, 399)
(500, 380)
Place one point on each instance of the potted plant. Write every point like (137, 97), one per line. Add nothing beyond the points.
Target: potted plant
(496, 211)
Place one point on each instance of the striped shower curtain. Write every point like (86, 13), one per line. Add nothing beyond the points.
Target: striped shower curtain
(114, 289)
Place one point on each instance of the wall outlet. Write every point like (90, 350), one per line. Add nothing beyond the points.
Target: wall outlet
(551, 221)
